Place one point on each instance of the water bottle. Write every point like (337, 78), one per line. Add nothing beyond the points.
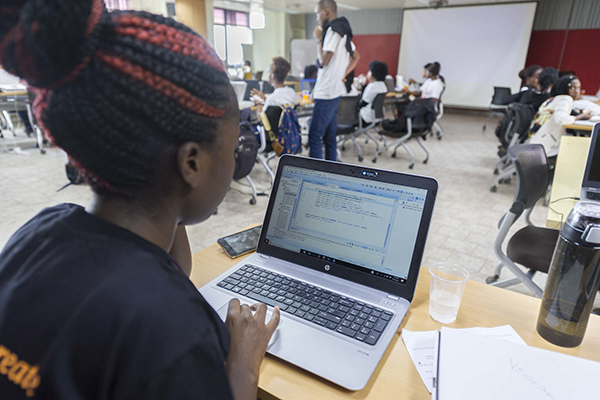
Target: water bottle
(573, 278)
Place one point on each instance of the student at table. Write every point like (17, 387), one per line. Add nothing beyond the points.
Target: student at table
(433, 86)
(310, 71)
(279, 70)
(530, 76)
(537, 97)
(338, 57)
(547, 127)
(96, 302)
(376, 77)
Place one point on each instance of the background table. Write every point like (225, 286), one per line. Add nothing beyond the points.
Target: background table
(568, 175)
(396, 376)
(586, 126)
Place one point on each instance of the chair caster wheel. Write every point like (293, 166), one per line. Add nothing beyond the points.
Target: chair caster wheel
(394, 155)
(494, 189)
(343, 148)
(43, 151)
(425, 161)
(491, 279)
(360, 158)
(374, 160)
(439, 137)
(411, 166)
(252, 201)
(496, 172)
(507, 181)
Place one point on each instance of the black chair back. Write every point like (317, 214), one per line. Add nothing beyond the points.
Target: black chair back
(250, 84)
(273, 115)
(377, 105)
(500, 93)
(533, 174)
(347, 115)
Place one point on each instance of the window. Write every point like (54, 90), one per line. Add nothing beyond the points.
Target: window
(231, 31)
(117, 4)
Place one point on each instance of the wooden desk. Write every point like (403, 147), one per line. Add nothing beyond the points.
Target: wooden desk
(11, 93)
(568, 175)
(587, 126)
(396, 376)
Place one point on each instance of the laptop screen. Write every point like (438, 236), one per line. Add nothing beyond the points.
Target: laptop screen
(591, 178)
(358, 223)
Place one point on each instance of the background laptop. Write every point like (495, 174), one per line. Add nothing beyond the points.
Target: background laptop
(339, 252)
(590, 187)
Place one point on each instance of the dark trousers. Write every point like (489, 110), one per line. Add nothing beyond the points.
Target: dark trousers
(322, 129)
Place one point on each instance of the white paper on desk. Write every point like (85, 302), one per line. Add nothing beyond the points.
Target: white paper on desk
(475, 367)
(422, 347)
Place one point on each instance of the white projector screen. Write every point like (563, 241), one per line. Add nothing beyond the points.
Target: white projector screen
(478, 47)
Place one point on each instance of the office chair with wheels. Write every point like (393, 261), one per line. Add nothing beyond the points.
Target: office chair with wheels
(437, 126)
(348, 122)
(532, 246)
(377, 114)
(416, 122)
(496, 107)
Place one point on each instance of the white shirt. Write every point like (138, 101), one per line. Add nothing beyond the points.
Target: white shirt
(555, 112)
(330, 78)
(280, 96)
(372, 90)
(586, 105)
(432, 89)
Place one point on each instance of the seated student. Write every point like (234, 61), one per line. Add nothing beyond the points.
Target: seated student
(433, 86)
(424, 74)
(377, 72)
(310, 72)
(548, 124)
(279, 70)
(536, 98)
(96, 301)
(530, 76)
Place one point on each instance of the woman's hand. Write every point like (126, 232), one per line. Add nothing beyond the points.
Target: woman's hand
(256, 92)
(583, 116)
(249, 340)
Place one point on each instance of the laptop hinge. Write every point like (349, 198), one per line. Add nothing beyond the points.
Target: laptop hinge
(391, 296)
(264, 256)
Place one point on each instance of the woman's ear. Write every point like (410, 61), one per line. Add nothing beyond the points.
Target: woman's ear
(191, 159)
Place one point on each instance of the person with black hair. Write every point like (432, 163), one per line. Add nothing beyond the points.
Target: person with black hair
(536, 98)
(310, 71)
(96, 302)
(530, 76)
(338, 58)
(554, 113)
(278, 71)
(433, 86)
(377, 72)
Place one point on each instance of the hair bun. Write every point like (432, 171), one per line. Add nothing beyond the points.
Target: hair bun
(47, 42)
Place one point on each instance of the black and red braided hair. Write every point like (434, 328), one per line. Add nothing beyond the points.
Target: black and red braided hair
(117, 88)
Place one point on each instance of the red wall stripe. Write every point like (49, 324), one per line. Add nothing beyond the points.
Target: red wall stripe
(384, 48)
(580, 54)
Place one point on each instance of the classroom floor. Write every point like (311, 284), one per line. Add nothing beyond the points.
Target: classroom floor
(465, 219)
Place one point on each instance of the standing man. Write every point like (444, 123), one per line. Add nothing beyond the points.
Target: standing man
(337, 57)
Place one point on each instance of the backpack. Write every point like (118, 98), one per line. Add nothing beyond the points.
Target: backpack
(245, 154)
(288, 133)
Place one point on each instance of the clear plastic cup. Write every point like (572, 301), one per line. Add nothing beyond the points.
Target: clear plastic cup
(447, 287)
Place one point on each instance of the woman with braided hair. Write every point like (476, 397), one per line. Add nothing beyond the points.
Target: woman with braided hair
(96, 302)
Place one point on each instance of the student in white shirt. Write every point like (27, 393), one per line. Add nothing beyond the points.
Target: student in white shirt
(377, 72)
(555, 112)
(279, 70)
(433, 87)
(338, 57)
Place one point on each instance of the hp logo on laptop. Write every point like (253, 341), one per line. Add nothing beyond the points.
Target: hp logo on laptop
(327, 268)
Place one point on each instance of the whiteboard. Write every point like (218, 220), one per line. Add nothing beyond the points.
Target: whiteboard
(478, 47)
(304, 52)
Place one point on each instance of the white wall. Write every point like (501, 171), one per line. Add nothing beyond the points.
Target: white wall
(269, 42)
(153, 6)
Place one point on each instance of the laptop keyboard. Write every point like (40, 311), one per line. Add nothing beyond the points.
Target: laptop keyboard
(341, 314)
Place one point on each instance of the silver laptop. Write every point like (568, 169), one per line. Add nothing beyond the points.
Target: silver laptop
(339, 253)
(590, 187)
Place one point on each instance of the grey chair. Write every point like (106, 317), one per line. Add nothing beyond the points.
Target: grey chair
(348, 122)
(497, 107)
(532, 246)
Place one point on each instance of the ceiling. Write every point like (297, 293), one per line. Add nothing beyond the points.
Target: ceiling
(308, 6)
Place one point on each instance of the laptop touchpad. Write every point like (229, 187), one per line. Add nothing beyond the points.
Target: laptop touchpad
(223, 315)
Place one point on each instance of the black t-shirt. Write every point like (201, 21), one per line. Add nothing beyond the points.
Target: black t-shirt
(89, 310)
